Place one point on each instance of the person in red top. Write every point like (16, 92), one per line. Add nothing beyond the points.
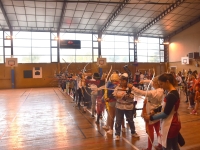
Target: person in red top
(170, 123)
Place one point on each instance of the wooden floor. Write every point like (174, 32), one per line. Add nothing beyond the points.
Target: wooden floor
(47, 119)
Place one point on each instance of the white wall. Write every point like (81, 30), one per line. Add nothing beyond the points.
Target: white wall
(184, 42)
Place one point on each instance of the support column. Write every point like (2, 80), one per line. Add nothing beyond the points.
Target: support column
(99, 44)
(12, 77)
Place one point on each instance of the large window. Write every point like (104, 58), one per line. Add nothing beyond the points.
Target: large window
(77, 55)
(115, 48)
(1, 47)
(31, 47)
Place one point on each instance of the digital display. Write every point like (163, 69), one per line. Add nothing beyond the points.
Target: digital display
(70, 44)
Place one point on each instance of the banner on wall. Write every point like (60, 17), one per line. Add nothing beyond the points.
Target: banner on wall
(37, 72)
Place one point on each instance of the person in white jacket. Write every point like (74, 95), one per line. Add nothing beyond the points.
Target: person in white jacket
(153, 99)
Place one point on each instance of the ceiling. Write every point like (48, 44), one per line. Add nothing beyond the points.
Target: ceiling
(157, 18)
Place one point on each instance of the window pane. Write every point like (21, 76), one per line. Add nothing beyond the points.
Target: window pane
(153, 59)
(40, 35)
(86, 44)
(41, 51)
(121, 38)
(161, 47)
(6, 33)
(7, 42)
(21, 35)
(131, 52)
(1, 59)
(95, 44)
(95, 37)
(142, 59)
(40, 43)
(95, 58)
(153, 52)
(153, 40)
(67, 52)
(109, 58)
(131, 58)
(142, 52)
(107, 44)
(162, 59)
(83, 58)
(162, 53)
(53, 35)
(67, 59)
(108, 37)
(83, 36)
(40, 59)
(1, 50)
(95, 52)
(67, 36)
(107, 51)
(131, 45)
(153, 46)
(23, 59)
(54, 51)
(121, 45)
(54, 43)
(21, 51)
(121, 58)
(84, 51)
(1, 34)
(54, 59)
(121, 52)
(142, 46)
(142, 39)
(22, 42)
(8, 51)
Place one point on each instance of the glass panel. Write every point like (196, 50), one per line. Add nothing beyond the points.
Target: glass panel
(95, 58)
(131, 39)
(53, 35)
(21, 51)
(54, 59)
(84, 51)
(40, 51)
(64, 59)
(153, 52)
(162, 59)
(107, 51)
(40, 35)
(22, 35)
(6, 33)
(121, 52)
(131, 52)
(1, 50)
(153, 46)
(121, 58)
(95, 37)
(8, 51)
(1, 59)
(161, 47)
(142, 58)
(67, 52)
(95, 52)
(142, 39)
(67, 36)
(83, 58)
(41, 59)
(22, 42)
(40, 43)
(1, 34)
(131, 58)
(107, 44)
(54, 43)
(153, 59)
(142, 52)
(84, 37)
(95, 44)
(121, 45)
(141, 46)
(153, 40)
(109, 58)
(1, 42)
(54, 51)
(131, 45)
(107, 37)
(86, 44)
(23, 59)
(7, 42)
(162, 53)
(121, 38)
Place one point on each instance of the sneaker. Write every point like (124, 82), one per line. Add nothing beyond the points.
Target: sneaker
(135, 135)
(109, 132)
(123, 129)
(105, 127)
(117, 138)
(92, 116)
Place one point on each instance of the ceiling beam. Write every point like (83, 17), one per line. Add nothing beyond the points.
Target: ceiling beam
(62, 15)
(160, 16)
(191, 23)
(114, 15)
(5, 16)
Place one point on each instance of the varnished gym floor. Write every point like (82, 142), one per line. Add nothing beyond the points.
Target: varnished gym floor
(46, 119)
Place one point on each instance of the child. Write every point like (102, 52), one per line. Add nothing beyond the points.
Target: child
(196, 99)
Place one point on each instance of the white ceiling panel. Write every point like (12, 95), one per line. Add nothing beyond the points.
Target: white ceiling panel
(40, 4)
(50, 4)
(31, 18)
(12, 16)
(19, 10)
(81, 6)
(40, 18)
(50, 12)
(30, 10)
(40, 11)
(29, 3)
(90, 7)
(58, 12)
(100, 8)
(78, 13)
(18, 3)
(31, 24)
(69, 13)
(9, 9)
(109, 9)
(23, 24)
(71, 6)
